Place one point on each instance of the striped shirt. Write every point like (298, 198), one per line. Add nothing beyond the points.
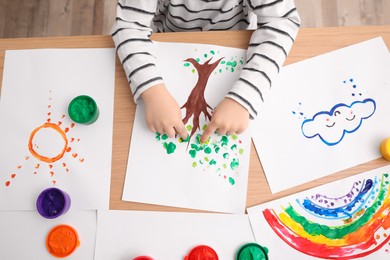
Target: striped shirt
(277, 26)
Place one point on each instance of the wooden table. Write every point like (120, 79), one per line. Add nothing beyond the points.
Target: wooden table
(309, 43)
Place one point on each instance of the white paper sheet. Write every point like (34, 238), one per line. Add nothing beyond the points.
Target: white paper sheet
(169, 235)
(347, 91)
(346, 219)
(38, 86)
(213, 178)
(23, 234)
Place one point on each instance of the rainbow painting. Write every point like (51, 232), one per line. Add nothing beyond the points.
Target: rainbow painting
(346, 219)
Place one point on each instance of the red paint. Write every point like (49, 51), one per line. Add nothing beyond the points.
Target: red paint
(143, 258)
(51, 174)
(19, 166)
(13, 176)
(7, 183)
(320, 250)
(59, 123)
(66, 130)
(202, 252)
(72, 125)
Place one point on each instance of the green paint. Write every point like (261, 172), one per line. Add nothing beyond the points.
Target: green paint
(234, 164)
(208, 150)
(212, 162)
(197, 59)
(181, 140)
(204, 127)
(171, 147)
(241, 62)
(158, 136)
(212, 52)
(196, 148)
(194, 164)
(216, 149)
(232, 182)
(193, 70)
(164, 137)
(192, 153)
(226, 155)
(234, 146)
(205, 55)
(223, 62)
(232, 69)
(224, 166)
(338, 232)
(234, 137)
(231, 63)
(189, 127)
(386, 175)
(241, 151)
(83, 110)
(186, 64)
(220, 70)
(224, 140)
(206, 159)
(252, 251)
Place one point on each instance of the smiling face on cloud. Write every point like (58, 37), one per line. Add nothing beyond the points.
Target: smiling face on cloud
(331, 126)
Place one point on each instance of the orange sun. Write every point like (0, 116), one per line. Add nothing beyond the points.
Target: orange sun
(49, 152)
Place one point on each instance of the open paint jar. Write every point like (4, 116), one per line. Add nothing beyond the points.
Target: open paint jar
(202, 252)
(83, 109)
(252, 251)
(52, 203)
(62, 241)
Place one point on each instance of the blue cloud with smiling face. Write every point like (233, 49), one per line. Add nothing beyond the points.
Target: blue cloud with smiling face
(331, 126)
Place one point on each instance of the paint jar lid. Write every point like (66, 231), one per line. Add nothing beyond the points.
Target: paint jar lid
(252, 251)
(62, 241)
(83, 109)
(53, 202)
(202, 252)
(143, 257)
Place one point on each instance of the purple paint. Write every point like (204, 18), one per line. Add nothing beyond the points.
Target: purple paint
(52, 203)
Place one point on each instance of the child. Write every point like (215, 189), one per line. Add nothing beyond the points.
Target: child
(277, 27)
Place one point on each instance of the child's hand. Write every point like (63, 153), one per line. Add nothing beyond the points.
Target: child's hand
(162, 113)
(229, 117)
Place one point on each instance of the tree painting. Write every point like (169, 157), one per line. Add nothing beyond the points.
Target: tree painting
(219, 153)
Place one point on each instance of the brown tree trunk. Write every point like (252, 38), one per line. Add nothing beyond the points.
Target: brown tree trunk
(196, 103)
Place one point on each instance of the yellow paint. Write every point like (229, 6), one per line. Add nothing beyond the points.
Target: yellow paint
(385, 149)
(298, 229)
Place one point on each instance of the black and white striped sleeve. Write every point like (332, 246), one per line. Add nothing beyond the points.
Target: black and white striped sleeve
(135, 50)
(278, 23)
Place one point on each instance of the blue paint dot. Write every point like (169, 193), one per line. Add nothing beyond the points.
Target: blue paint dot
(351, 80)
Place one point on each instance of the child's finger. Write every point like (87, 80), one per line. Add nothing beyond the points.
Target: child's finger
(181, 130)
(210, 129)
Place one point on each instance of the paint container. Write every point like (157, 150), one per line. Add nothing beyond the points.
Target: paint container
(83, 110)
(52, 203)
(143, 257)
(252, 251)
(202, 252)
(385, 149)
(62, 241)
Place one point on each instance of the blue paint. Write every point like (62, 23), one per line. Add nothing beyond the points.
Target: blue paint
(342, 212)
(330, 113)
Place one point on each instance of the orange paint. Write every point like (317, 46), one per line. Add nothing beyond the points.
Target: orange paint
(81, 160)
(72, 125)
(64, 164)
(37, 166)
(44, 158)
(13, 176)
(54, 182)
(62, 116)
(49, 113)
(27, 157)
(7, 183)
(35, 172)
(71, 140)
(49, 106)
(51, 174)
(62, 241)
(50, 166)
(59, 123)
(19, 166)
(68, 149)
(48, 120)
(74, 155)
(66, 130)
